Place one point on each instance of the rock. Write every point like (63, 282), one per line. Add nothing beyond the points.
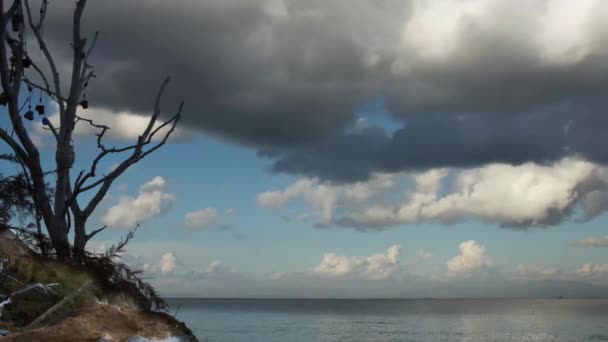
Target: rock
(105, 338)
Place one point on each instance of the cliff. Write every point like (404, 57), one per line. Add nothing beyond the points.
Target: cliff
(78, 309)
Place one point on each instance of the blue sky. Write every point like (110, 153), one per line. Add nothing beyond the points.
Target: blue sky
(255, 242)
(354, 149)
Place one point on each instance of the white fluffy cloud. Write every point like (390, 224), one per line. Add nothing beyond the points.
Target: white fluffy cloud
(278, 275)
(422, 255)
(556, 31)
(472, 258)
(516, 196)
(167, 264)
(593, 271)
(374, 267)
(214, 270)
(589, 273)
(215, 266)
(593, 241)
(201, 219)
(123, 125)
(324, 198)
(524, 195)
(537, 272)
(151, 202)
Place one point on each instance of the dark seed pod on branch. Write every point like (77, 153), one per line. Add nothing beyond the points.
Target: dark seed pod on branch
(84, 104)
(29, 115)
(40, 109)
(3, 98)
(45, 121)
(27, 62)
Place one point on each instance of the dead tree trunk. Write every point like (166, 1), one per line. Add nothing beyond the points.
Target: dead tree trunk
(18, 69)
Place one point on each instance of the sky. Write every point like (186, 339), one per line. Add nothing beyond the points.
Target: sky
(353, 149)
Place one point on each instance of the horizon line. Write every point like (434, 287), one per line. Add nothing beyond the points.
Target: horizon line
(389, 298)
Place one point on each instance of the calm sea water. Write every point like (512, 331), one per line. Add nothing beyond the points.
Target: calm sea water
(249, 320)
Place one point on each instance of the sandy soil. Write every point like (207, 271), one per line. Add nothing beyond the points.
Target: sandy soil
(94, 323)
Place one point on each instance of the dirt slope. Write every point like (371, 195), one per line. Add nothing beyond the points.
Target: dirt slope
(104, 321)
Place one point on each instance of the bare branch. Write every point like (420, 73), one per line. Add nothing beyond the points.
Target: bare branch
(84, 77)
(90, 122)
(134, 158)
(19, 151)
(11, 82)
(156, 113)
(138, 154)
(37, 29)
(68, 117)
(45, 89)
(72, 200)
(137, 148)
(53, 129)
(64, 210)
(92, 46)
(79, 56)
(95, 232)
(174, 122)
(11, 11)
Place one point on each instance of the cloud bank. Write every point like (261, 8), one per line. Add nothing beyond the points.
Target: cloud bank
(522, 196)
(201, 219)
(470, 273)
(373, 267)
(468, 83)
(593, 241)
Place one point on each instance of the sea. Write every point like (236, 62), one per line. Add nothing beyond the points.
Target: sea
(394, 320)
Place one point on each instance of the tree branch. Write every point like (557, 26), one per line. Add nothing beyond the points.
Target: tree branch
(10, 81)
(137, 154)
(95, 232)
(84, 77)
(19, 151)
(47, 90)
(37, 29)
(11, 11)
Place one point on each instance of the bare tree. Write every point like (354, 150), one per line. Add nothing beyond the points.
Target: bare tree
(18, 71)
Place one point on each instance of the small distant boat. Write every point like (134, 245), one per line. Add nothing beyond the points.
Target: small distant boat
(560, 297)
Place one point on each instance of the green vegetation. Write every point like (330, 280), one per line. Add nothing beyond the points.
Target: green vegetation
(25, 267)
(110, 277)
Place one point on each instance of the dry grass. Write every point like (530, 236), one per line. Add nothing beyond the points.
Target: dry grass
(28, 268)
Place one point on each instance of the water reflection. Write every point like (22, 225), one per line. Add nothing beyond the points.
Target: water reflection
(397, 320)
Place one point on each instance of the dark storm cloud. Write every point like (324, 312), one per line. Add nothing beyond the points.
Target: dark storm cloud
(543, 136)
(287, 77)
(243, 74)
